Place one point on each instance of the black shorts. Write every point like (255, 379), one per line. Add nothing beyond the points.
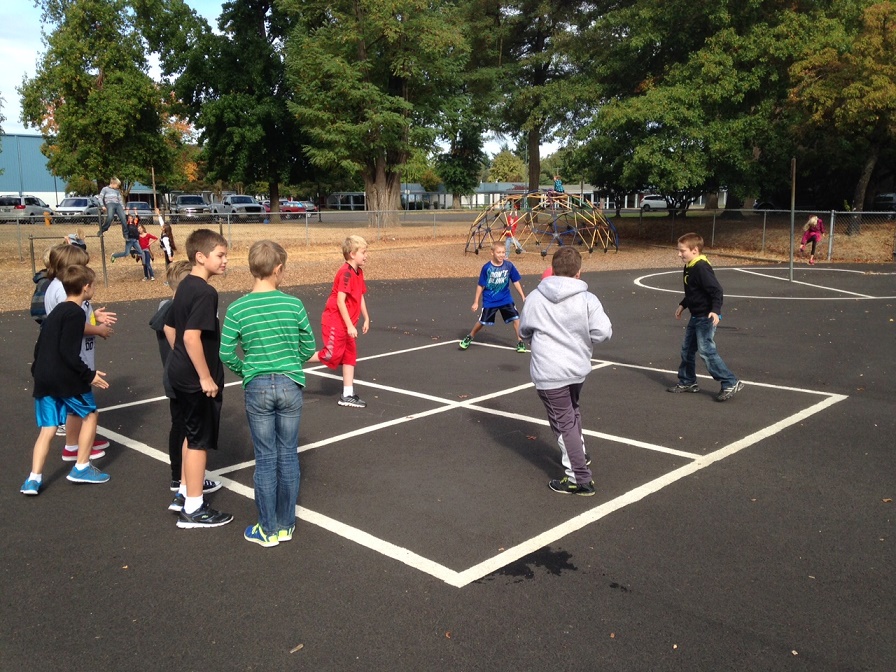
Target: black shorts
(201, 416)
(508, 312)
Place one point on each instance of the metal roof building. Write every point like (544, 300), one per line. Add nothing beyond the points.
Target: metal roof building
(25, 169)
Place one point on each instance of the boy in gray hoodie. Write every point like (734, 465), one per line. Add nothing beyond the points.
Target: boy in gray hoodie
(564, 321)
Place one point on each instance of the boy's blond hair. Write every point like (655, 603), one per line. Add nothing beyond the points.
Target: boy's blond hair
(205, 241)
(351, 245)
(115, 183)
(498, 244)
(264, 257)
(692, 241)
(177, 272)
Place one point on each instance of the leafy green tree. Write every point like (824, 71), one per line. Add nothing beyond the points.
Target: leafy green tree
(695, 103)
(507, 167)
(459, 167)
(91, 96)
(369, 79)
(541, 89)
(232, 87)
(848, 88)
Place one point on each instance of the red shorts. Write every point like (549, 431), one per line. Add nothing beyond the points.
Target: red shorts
(339, 347)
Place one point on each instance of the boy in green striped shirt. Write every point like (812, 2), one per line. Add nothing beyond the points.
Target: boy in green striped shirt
(273, 331)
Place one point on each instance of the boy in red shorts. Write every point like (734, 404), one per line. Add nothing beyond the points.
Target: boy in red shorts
(340, 318)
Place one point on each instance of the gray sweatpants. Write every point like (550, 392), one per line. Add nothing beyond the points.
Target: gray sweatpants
(562, 405)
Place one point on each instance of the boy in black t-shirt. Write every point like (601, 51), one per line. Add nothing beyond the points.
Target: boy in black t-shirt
(195, 371)
(62, 381)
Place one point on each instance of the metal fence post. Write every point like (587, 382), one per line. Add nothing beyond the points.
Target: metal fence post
(831, 236)
(764, 220)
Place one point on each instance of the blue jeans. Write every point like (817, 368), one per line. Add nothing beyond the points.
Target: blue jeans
(699, 337)
(147, 264)
(274, 410)
(113, 209)
(130, 245)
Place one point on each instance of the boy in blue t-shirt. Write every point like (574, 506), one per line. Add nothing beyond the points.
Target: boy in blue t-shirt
(495, 279)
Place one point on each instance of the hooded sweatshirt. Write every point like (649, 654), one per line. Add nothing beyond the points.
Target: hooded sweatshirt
(564, 321)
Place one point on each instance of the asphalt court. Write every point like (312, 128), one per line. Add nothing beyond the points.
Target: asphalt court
(749, 535)
(488, 417)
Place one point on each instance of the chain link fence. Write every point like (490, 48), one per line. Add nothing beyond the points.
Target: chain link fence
(851, 236)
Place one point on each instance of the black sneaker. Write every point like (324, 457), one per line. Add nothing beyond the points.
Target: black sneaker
(353, 401)
(566, 487)
(207, 486)
(204, 516)
(587, 460)
(729, 392)
(177, 504)
(677, 389)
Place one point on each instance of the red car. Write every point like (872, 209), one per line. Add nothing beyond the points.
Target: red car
(289, 209)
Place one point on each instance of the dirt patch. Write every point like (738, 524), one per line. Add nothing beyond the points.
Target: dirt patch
(428, 248)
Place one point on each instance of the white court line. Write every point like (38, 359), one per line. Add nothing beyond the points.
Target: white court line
(463, 578)
(586, 518)
(641, 282)
(800, 282)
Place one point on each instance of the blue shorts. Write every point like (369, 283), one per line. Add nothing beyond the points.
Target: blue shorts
(51, 411)
(508, 312)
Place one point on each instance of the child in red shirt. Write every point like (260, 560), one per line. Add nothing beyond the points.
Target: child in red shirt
(338, 322)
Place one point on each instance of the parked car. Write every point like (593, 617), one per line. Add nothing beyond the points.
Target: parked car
(884, 203)
(244, 208)
(189, 206)
(78, 207)
(654, 202)
(764, 204)
(142, 208)
(23, 207)
(288, 209)
(309, 206)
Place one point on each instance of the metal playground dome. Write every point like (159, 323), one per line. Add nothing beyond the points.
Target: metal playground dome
(542, 219)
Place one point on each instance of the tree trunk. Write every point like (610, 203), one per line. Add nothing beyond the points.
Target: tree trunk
(382, 192)
(534, 144)
(274, 196)
(858, 199)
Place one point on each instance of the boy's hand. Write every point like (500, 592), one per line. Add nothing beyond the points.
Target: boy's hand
(99, 381)
(366, 325)
(104, 317)
(352, 331)
(209, 386)
(475, 307)
(715, 319)
(679, 311)
(104, 331)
